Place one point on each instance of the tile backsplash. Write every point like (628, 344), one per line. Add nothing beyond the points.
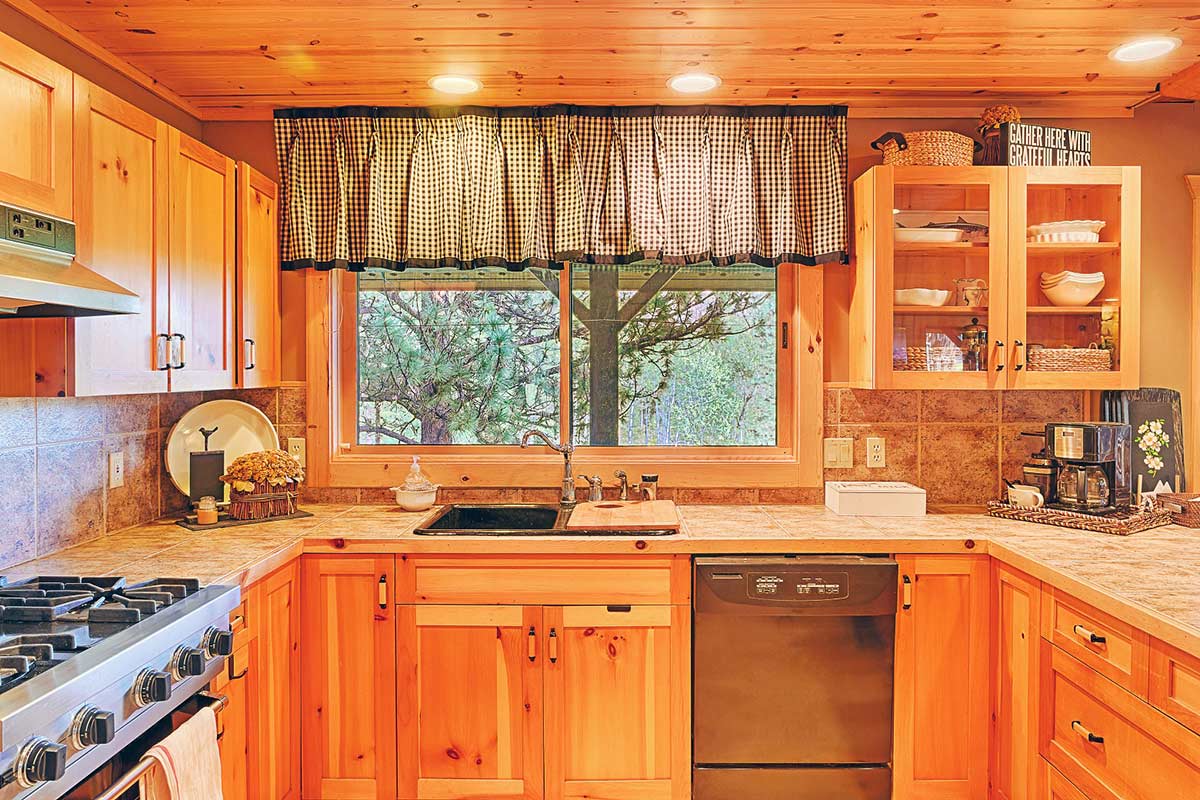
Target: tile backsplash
(54, 463)
(958, 445)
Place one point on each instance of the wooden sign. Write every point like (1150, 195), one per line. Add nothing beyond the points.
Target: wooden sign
(1021, 144)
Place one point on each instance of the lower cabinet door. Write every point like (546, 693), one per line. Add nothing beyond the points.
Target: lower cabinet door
(236, 723)
(348, 677)
(1016, 769)
(618, 705)
(942, 637)
(470, 702)
(277, 686)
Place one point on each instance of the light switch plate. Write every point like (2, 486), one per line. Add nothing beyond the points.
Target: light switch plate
(876, 452)
(116, 469)
(297, 449)
(839, 453)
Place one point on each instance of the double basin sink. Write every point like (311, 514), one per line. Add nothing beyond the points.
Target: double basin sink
(515, 519)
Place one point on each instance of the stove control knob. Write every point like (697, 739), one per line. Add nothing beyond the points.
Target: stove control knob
(40, 760)
(188, 662)
(92, 726)
(151, 686)
(217, 643)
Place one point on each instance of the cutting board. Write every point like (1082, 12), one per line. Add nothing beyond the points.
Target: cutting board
(627, 515)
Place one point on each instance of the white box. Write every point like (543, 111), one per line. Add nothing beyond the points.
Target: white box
(875, 498)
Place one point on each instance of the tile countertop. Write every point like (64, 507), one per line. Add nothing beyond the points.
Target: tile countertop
(1150, 579)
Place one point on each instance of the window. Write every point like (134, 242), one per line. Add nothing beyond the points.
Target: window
(657, 356)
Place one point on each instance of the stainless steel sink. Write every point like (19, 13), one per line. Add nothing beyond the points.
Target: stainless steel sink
(513, 519)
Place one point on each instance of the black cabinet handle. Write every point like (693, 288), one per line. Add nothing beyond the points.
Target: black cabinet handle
(383, 592)
(553, 646)
(1017, 363)
(532, 644)
(907, 596)
(999, 356)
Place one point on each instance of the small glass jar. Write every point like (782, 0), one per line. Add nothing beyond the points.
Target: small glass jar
(206, 511)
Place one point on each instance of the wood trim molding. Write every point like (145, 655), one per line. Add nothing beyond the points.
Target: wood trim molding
(106, 57)
(1192, 406)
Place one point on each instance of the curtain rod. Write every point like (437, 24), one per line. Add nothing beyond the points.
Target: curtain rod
(562, 109)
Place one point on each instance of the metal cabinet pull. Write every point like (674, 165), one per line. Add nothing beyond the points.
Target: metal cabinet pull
(162, 352)
(532, 644)
(999, 356)
(783, 336)
(249, 353)
(229, 667)
(553, 646)
(182, 362)
(1088, 636)
(1079, 728)
(907, 593)
(383, 592)
(1018, 364)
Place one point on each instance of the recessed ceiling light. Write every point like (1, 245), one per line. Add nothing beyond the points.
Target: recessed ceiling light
(1145, 49)
(454, 84)
(694, 82)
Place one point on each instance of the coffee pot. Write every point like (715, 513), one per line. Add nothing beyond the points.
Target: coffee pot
(974, 342)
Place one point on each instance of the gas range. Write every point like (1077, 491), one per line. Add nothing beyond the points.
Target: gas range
(88, 664)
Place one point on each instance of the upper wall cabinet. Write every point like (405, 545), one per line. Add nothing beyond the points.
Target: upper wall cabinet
(203, 263)
(971, 278)
(258, 278)
(35, 104)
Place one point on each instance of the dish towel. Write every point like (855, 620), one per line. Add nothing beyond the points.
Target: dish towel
(189, 764)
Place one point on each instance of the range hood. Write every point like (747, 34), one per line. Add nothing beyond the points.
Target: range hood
(39, 276)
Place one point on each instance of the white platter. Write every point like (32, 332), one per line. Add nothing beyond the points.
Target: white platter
(928, 235)
(242, 429)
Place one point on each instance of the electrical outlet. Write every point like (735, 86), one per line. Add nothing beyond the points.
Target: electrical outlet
(116, 469)
(296, 449)
(876, 452)
(839, 453)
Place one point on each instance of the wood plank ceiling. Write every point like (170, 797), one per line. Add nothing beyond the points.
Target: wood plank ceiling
(242, 58)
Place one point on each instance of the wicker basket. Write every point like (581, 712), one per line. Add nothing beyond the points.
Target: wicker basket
(917, 359)
(1070, 359)
(926, 149)
(1183, 510)
(264, 502)
(1118, 524)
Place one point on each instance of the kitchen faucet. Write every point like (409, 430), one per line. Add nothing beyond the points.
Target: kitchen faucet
(568, 483)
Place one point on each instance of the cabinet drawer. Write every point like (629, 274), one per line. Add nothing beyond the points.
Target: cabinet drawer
(1115, 649)
(1109, 743)
(1056, 786)
(242, 619)
(535, 580)
(1175, 683)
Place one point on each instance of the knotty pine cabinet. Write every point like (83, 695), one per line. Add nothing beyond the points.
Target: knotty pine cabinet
(348, 677)
(260, 727)
(942, 700)
(187, 230)
(447, 678)
(35, 104)
(1016, 770)
(258, 287)
(906, 345)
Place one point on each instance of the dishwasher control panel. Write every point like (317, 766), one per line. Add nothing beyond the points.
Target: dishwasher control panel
(799, 585)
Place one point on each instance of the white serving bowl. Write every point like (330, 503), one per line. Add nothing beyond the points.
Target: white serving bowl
(420, 500)
(1067, 230)
(1074, 277)
(1071, 293)
(921, 297)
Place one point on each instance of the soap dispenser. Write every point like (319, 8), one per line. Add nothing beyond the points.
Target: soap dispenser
(417, 493)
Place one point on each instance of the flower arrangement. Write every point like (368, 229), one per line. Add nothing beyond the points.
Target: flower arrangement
(995, 116)
(1151, 439)
(272, 467)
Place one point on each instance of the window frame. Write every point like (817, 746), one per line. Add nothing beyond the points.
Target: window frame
(332, 386)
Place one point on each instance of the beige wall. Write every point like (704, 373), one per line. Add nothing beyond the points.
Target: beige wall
(1164, 140)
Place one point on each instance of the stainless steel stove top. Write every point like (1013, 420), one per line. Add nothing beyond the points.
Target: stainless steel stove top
(87, 664)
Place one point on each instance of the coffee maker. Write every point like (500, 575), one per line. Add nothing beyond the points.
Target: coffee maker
(1093, 465)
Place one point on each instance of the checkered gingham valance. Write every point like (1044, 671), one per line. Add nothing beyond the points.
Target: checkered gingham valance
(366, 188)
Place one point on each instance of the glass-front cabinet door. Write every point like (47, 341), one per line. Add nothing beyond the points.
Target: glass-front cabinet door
(1073, 278)
(937, 260)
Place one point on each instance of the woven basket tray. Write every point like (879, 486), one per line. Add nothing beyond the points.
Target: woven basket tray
(926, 149)
(1070, 359)
(264, 502)
(918, 358)
(1183, 511)
(1122, 524)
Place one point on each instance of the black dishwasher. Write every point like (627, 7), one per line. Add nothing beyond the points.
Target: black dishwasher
(792, 684)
